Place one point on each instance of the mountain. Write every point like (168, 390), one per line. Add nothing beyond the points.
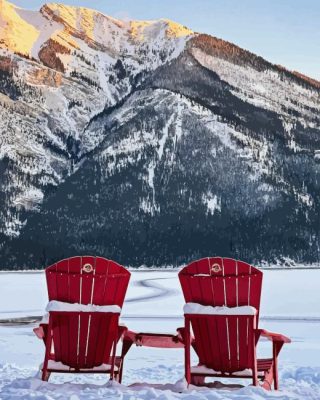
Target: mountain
(148, 143)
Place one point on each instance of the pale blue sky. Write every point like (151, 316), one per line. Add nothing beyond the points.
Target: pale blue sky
(285, 32)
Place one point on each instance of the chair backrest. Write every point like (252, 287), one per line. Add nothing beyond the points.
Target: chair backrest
(223, 342)
(218, 281)
(84, 340)
(87, 280)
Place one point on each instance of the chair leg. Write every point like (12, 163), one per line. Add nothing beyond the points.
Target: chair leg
(197, 380)
(125, 348)
(45, 375)
(254, 378)
(255, 363)
(268, 379)
(187, 351)
(113, 359)
(120, 371)
(275, 350)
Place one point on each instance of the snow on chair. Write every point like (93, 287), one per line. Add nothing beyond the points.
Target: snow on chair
(85, 299)
(222, 306)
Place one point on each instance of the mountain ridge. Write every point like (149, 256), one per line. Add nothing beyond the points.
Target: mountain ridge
(153, 148)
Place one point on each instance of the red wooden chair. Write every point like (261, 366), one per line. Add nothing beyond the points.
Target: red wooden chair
(84, 341)
(225, 339)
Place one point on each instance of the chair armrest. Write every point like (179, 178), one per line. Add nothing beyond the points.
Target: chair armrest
(122, 329)
(181, 335)
(274, 337)
(40, 331)
(181, 331)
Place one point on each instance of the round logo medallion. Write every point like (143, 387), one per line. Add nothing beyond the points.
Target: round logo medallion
(87, 268)
(215, 268)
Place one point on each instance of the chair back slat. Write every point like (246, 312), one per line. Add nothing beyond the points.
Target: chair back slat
(72, 338)
(223, 343)
(84, 340)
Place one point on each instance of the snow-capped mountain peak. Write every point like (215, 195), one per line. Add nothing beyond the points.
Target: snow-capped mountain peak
(26, 32)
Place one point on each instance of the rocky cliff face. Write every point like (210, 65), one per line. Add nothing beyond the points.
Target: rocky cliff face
(147, 143)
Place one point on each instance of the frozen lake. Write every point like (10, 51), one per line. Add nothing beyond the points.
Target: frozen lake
(286, 294)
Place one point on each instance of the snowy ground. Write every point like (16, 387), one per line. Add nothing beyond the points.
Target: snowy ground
(290, 305)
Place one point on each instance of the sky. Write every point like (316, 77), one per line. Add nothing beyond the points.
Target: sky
(285, 32)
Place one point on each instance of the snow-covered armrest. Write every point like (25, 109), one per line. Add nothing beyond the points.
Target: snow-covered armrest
(274, 337)
(39, 332)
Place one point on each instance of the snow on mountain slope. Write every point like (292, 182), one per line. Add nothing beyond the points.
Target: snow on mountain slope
(262, 84)
(16, 34)
(268, 90)
(78, 61)
(159, 126)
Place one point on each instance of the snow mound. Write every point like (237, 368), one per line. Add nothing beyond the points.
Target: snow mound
(297, 384)
(195, 308)
(55, 305)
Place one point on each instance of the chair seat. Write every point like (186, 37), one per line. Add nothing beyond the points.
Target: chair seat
(263, 365)
(57, 366)
(202, 370)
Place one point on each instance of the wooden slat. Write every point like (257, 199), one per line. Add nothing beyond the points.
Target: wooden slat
(74, 280)
(215, 359)
(250, 341)
(95, 338)
(231, 280)
(65, 336)
(213, 345)
(197, 325)
(255, 292)
(243, 326)
(219, 290)
(110, 290)
(73, 340)
(83, 335)
(232, 323)
(221, 324)
(87, 280)
(62, 282)
(243, 290)
(56, 337)
(113, 333)
(100, 356)
(99, 288)
(52, 283)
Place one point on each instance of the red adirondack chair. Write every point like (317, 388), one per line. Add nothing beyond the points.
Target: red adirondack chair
(225, 335)
(84, 341)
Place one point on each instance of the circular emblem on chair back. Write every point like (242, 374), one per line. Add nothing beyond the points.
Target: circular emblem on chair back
(87, 268)
(216, 268)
